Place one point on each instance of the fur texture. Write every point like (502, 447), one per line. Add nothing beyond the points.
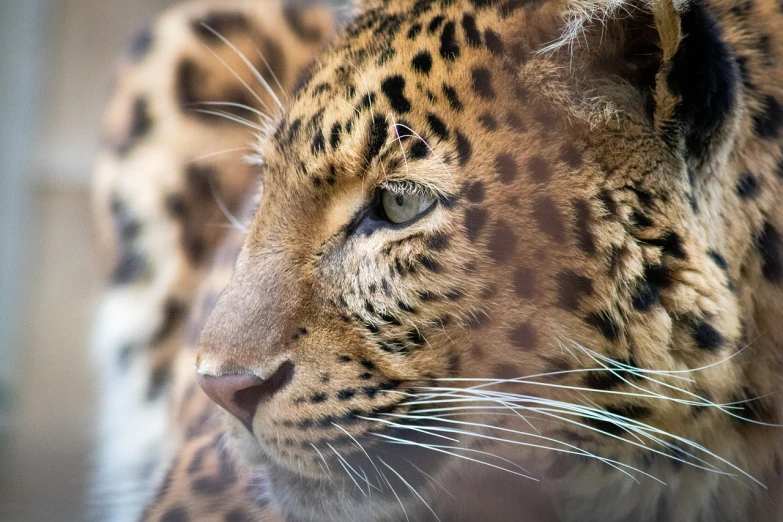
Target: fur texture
(590, 302)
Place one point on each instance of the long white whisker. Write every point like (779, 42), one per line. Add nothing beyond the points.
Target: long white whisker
(344, 463)
(232, 117)
(359, 446)
(248, 108)
(272, 74)
(442, 449)
(396, 496)
(411, 488)
(250, 66)
(575, 451)
(322, 457)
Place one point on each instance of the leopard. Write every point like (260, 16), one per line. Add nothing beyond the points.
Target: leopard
(501, 260)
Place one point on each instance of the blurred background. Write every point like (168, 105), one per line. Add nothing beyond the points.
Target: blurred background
(57, 63)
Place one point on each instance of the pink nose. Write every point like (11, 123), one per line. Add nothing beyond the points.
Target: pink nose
(240, 394)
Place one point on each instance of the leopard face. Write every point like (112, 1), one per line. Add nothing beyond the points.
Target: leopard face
(473, 257)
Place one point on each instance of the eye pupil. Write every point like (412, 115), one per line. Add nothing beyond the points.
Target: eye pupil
(399, 207)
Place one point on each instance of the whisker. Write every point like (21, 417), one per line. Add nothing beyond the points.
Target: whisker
(250, 66)
(359, 446)
(239, 79)
(344, 463)
(248, 108)
(235, 222)
(322, 457)
(396, 496)
(442, 449)
(232, 117)
(272, 74)
(430, 478)
(411, 488)
(575, 450)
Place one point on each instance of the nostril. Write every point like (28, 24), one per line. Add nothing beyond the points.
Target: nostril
(252, 396)
(240, 394)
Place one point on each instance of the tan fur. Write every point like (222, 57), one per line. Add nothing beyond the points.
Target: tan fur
(578, 239)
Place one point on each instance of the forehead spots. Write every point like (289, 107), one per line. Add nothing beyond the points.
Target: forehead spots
(319, 143)
(376, 137)
(449, 50)
(434, 24)
(503, 242)
(422, 62)
(645, 295)
(523, 336)
(335, 135)
(366, 101)
(451, 95)
(472, 34)
(437, 126)
(464, 149)
(494, 43)
(488, 121)
(482, 83)
(582, 225)
(393, 87)
(506, 168)
(548, 218)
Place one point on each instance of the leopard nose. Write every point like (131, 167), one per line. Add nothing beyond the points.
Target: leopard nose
(241, 393)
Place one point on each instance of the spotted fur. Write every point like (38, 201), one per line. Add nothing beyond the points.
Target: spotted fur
(591, 301)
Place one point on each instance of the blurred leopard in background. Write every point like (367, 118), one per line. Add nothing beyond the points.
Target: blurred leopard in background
(494, 260)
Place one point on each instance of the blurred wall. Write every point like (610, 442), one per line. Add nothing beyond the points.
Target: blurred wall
(22, 40)
(85, 40)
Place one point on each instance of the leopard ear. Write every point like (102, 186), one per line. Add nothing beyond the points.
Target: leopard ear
(674, 53)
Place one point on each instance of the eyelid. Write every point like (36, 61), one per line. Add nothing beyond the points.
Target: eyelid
(408, 188)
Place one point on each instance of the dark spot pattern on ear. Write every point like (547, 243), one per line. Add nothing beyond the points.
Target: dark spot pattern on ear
(704, 104)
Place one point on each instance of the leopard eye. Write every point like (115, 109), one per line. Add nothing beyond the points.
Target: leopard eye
(401, 207)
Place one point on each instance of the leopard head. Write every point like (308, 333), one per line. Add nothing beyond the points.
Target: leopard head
(490, 246)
